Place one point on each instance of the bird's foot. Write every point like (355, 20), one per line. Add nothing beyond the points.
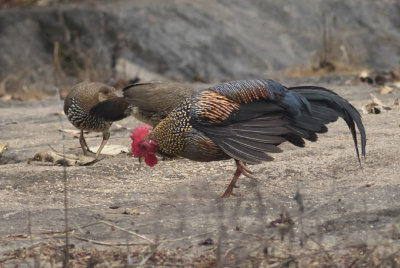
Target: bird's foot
(239, 168)
(88, 152)
(228, 194)
(225, 195)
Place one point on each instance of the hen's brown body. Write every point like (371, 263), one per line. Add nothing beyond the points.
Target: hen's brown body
(153, 101)
(94, 106)
(88, 108)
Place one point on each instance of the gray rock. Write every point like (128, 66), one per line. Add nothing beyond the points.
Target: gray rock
(197, 40)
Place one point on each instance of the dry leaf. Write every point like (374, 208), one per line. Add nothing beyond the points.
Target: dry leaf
(3, 148)
(375, 107)
(58, 159)
(120, 126)
(386, 90)
(58, 113)
(365, 77)
(131, 212)
(21, 236)
(371, 108)
(375, 99)
(364, 74)
(70, 131)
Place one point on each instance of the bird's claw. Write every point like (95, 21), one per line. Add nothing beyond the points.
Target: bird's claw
(245, 170)
(248, 175)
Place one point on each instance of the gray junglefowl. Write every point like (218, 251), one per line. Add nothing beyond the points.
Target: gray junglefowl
(92, 106)
(245, 120)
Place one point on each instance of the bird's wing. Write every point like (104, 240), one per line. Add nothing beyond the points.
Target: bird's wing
(246, 119)
(238, 101)
(157, 97)
(251, 140)
(249, 118)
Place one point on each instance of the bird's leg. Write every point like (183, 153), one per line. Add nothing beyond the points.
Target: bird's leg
(240, 168)
(83, 143)
(229, 189)
(245, 171)
(106, 136)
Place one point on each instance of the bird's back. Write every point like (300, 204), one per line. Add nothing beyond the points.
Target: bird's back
(155, 100)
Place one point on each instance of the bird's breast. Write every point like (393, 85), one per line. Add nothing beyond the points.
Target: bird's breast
(171, 132)
(84, 120)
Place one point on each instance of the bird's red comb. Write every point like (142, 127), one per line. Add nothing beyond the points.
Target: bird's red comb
(140, 132)
(138, 136)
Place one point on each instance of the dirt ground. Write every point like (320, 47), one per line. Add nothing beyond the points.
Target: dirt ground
(121, 213)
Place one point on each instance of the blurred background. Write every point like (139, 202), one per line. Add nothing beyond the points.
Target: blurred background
(57, 43)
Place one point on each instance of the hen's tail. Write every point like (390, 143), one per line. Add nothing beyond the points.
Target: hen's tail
(327, 106)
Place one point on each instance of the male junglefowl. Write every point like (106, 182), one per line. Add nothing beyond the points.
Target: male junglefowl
(244, 120)
(93, 107)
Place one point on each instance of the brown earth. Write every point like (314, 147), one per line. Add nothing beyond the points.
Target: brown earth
(172, 215)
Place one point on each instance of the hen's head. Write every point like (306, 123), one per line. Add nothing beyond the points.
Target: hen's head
(105, 92)
(142, 147)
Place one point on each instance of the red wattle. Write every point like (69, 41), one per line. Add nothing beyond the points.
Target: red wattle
(151, 159)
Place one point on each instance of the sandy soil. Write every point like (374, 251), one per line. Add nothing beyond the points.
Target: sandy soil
(120, 212)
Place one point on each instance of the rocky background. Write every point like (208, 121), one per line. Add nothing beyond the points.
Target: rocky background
(49, 43)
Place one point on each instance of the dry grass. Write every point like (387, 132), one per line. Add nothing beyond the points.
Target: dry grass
(255, 251)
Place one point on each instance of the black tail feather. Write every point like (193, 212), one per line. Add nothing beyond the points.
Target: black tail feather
(329, 106)
(295, 140)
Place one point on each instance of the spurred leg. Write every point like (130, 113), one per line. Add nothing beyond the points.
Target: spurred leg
(240, 168)
(106, 136)
(83, 143)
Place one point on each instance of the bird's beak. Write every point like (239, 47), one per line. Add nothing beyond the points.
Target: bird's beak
(141, 158)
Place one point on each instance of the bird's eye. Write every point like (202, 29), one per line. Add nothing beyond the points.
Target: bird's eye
(105, 90)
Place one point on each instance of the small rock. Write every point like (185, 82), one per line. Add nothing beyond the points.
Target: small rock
(207, 242)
